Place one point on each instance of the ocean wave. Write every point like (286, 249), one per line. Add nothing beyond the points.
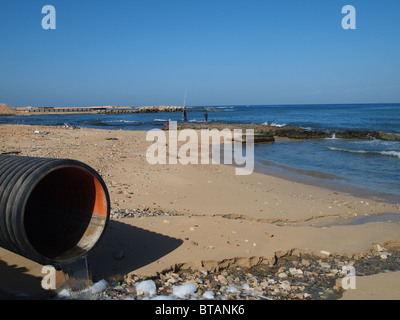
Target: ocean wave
(161, 120)
(121, 121)
(390, 153)
(224, 107)
(273, 124)
(194, 120)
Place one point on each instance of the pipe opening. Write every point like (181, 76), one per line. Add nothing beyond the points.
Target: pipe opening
(65, 213)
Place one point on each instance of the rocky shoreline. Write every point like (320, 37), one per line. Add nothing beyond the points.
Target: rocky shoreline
(292, 277)
(293, 132)
(295, 275)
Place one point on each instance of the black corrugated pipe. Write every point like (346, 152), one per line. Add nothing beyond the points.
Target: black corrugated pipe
(51, 210)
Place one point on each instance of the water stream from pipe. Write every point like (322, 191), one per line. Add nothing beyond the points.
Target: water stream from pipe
(77, 279)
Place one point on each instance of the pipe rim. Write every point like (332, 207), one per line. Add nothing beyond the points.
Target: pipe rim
(101, 196)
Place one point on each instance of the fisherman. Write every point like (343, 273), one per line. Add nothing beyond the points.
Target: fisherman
(184, 115)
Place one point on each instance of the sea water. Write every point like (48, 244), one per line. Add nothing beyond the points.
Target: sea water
(367, 167)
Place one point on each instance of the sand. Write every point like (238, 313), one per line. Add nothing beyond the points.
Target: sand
(219, 219)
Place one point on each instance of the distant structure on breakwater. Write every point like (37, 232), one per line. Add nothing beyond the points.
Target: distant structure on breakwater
(100, 110)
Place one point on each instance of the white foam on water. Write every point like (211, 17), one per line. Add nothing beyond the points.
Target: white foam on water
(274, 124)
(390, 153)
(124, 121)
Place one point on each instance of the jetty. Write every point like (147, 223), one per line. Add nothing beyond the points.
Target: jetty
(20, 111)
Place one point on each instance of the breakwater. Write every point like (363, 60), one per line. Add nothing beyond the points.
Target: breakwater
(294, 132)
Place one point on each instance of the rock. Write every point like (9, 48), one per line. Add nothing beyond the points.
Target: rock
(222, 279)
(257, 138)
(6, 110)
(172, 281)
(305, 262)
(285, 285)
(357, 134)
(388, 136)
(153, 109)
(299, 296)
(324, 265)
(318, 282)
(326, 253)
(293, 271)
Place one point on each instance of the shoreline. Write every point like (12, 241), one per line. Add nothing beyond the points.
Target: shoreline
(332, 184)
(214, 217)
(292, 173)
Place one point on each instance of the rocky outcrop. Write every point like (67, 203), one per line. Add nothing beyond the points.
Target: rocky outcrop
(267, 133)
(153, 109)
(388, 136)
(357, 135)
(299, 133)
(5, 110)
(366, 135)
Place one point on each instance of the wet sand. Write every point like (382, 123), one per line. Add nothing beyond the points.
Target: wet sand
(216, 218)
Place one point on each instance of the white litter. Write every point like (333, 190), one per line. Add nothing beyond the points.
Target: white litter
(184, 290)
(64, 294)
(162, 297)
(147, 286)
(232, 289)
(99, 286)
(209, 295)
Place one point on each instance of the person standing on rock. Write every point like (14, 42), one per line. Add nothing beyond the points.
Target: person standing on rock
(206, 116)
(184, 116)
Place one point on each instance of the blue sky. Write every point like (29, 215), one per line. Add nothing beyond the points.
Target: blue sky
(224, 52)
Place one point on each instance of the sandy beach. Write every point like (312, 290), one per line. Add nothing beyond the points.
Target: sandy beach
(216, 218)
